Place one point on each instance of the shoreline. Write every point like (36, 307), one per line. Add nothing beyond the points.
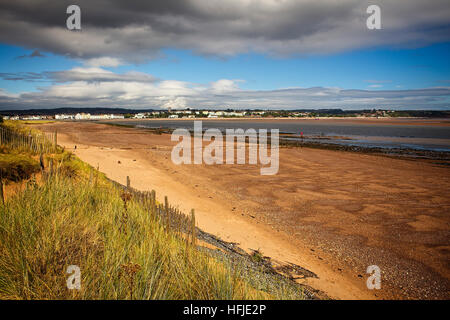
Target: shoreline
(330, 213)
(362, 120)
(394, 152)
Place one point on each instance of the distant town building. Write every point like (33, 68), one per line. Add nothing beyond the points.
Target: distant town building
(31, 118)
(82, 116)
(64, 116)
(139, 116)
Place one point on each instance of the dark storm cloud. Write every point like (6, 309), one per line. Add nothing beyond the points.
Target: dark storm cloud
(116, 32)
(136, 30)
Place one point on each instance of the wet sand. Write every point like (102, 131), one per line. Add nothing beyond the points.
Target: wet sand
(331, 212)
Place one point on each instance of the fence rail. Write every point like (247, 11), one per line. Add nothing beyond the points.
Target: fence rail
(24, 140)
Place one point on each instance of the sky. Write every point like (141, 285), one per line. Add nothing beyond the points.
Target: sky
(267, 54)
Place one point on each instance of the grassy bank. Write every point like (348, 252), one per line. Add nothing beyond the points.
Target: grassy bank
(16, 167)
(125, 248)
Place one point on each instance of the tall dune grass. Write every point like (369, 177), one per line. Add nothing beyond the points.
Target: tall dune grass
(60, 223)
(15, 167)
(124, 250)
(125, 246)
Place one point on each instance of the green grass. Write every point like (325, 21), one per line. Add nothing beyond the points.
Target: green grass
(35, 121)
(60, 223)
(122, 253)
(75, 216)
(16, 167)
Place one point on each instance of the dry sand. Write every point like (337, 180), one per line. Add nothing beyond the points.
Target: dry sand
(331, 212)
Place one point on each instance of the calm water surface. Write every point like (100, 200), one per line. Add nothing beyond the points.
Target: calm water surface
(426, 137)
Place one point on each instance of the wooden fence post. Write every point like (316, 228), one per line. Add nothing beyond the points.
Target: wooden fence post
(153, 203)
(166, 206)
(41, 162)
(128, 182)
(2, 195)
(193, 226)
(56, 139)
(90, 176)
(50, 166)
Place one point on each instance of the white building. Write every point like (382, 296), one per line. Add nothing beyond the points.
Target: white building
(139, 116)
(234, 114)
(64, 116)
(106, 116)
(100, 116)
(82, 116)
(31, 118)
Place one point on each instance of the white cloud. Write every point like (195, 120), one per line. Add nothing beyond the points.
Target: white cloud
(225, 85)
(103, 62)
(177, 103)
(6, 94)
(77, 88)
(98, 87)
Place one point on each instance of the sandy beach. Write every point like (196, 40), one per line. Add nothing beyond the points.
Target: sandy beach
(333, 213)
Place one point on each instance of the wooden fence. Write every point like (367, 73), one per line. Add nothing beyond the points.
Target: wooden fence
(26, 140)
